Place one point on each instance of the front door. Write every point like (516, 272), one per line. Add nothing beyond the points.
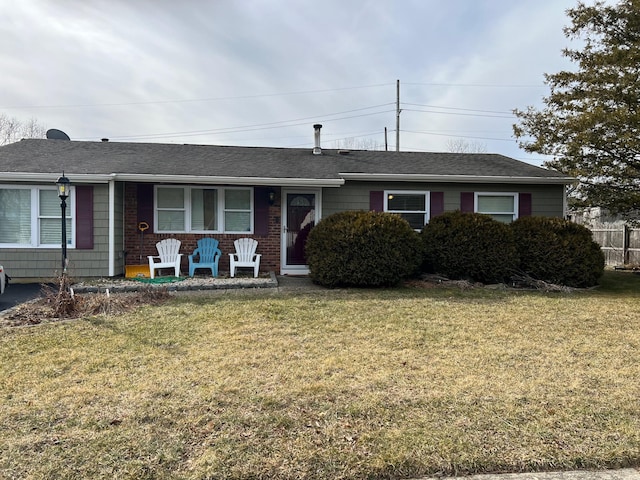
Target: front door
(300, 212)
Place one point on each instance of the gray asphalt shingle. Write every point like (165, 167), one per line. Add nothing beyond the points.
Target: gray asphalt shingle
(103, 158)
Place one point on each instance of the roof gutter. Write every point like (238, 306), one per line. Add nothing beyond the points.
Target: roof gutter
(394, 177)
(285, 182)
(51, 177)
(200, 179)
(217, 180)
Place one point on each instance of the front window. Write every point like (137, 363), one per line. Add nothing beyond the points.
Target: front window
(31, 217)
(501, 206)
(203, 210)
(410, 205)
(237, 210)
(49, 218)
(171, 209)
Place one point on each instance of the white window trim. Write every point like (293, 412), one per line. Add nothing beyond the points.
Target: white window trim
(427, 202)
(219, 212)
(35, 217)
(515, 195)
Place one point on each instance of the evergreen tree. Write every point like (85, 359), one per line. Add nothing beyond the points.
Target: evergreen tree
(591, 120)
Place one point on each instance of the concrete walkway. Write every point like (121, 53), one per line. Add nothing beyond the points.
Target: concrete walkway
(623, 474)
(294, 282)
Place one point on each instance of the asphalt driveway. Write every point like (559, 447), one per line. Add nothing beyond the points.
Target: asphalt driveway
(16, 293)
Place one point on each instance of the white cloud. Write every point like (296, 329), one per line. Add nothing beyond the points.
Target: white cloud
(158, 67)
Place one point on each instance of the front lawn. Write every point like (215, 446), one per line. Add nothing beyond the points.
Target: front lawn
(329, 384)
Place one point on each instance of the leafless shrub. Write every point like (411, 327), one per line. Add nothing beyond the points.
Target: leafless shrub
(59, 301)
(63, 301)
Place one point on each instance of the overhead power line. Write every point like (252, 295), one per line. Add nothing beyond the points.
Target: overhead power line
(194, 100)
(332, 117)
(461, 109)
(459, 114)
(264, 95)
(479, 85)
(262, 126)
(458, 136)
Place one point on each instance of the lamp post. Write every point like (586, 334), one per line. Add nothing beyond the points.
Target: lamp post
(63, 184)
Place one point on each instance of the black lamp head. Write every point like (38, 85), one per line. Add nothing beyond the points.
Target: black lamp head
(63, 184)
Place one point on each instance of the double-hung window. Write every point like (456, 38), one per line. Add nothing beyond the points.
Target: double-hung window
(171, 209)
(203, 209)
(413, 206)
(501, 206)
(32, 217)
(237, 210)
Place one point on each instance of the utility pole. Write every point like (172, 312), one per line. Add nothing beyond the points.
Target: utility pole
(398, 115)
(386, 143)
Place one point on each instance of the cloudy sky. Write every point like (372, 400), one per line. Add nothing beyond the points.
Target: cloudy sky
(262, 72)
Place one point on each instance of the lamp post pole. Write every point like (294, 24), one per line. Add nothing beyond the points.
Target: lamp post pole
(63, 206)
(63, 184)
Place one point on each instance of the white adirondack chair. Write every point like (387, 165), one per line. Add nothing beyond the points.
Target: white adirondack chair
(168, 256)
(245, 256)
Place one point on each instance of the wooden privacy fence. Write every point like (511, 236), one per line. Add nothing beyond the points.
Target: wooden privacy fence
(619, 242)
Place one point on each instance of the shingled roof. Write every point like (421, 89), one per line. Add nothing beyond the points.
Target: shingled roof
(37, 159)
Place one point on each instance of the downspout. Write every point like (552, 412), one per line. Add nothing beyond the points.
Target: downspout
(112, 232)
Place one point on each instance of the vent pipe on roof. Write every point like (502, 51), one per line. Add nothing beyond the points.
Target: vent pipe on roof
(316, 149)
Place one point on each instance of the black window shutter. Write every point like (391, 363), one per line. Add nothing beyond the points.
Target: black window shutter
(145, 204)
(524, 205)
(467, 201)
(261, 210)
(376, 201)
(84, 217)
(437, 204)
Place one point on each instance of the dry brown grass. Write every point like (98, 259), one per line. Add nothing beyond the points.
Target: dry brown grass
(338, 384)
(57, 304)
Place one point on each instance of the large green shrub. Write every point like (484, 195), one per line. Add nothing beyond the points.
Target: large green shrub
(469, 246)
(362, 249)
(558, 251)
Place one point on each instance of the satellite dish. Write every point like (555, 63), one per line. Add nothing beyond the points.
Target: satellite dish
(54, 134)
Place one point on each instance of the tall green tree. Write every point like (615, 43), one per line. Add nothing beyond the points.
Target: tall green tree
(591, 120)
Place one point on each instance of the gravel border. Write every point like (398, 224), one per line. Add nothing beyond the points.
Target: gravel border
(187, 284)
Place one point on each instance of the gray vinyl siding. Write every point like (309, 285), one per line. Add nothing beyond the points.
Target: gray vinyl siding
(43, 264)
(95, 262)
(547, 200)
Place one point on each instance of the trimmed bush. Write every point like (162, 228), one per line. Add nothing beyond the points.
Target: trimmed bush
(362, 249)
(469, 246)
(558, 251)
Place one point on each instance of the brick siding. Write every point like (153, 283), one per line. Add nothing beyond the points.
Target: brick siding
(268, 246)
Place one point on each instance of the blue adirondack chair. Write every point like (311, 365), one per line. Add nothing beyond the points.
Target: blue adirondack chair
(205, 256)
